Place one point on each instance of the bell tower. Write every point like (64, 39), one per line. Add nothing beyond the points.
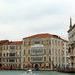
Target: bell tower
(70, 22)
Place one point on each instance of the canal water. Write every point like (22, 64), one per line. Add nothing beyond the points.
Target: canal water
(33, 73)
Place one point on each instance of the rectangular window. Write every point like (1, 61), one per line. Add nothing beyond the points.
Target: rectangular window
(49, 51)
(12, 47)
(37, 58)
(44, 51)
(37, 42)
(24, 59)
(20, 47)
(3, 59)
(17, 47)
(4, 54)
(24, 52)
(28, 51)
(6, 47)
(0, 59)
(28, 58)
(11, 54)
(50, 42)
(11, 60)
(49, 58)
(44, 58)
(7, 60)
(0, 54)
(7, 54)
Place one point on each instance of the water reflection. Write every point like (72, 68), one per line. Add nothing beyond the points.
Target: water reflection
(46, 73)
(31, 73)
(34, 73)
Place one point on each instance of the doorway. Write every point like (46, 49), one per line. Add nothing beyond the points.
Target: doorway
(36, 67)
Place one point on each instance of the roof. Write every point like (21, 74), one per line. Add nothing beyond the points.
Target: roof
(13, 43)
(44, 35)
(18, 42)
(3, 41)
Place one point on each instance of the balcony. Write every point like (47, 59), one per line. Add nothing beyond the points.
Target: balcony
(72, 58)
(37, 59)
(72, 55)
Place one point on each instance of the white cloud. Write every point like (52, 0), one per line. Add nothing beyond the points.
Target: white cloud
(24, 17)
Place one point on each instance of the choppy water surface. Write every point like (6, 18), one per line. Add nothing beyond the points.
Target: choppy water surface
(33, 73)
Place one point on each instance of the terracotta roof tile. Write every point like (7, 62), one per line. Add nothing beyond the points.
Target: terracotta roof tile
(45, 35)
(13, 43)
(3, 42)
(40, 36)
(18, 42)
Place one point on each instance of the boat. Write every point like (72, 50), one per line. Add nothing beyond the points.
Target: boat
(29, 71)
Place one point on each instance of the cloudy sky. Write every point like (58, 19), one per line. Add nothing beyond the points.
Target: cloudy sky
(21, 18)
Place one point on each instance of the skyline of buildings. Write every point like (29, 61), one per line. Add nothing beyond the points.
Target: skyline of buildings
(41, 51)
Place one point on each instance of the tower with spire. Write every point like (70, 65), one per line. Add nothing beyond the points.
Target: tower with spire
(70, 22)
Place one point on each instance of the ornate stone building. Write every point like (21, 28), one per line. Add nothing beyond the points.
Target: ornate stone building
(40, 51)
(71, 36)
(43, 51)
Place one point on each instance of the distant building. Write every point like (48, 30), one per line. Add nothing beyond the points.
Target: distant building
(71, 36)
(44, 51)
(65, 54)
(40, 51)
(11, 54)
(1, 44)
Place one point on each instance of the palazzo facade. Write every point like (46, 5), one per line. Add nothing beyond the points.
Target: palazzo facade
(38, 52)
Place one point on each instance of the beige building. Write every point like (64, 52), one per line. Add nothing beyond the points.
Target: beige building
(10, 53)
(71, 36)
(1, 44)
(40, 51)
(43, 51)
(65, 54)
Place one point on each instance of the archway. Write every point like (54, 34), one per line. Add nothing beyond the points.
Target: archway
(36, 67)
(11, 67)
(0, 66)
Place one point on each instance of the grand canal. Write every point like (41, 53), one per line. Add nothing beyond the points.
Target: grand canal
(33, 73)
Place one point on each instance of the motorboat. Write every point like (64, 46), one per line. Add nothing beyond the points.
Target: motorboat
(29, 71)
